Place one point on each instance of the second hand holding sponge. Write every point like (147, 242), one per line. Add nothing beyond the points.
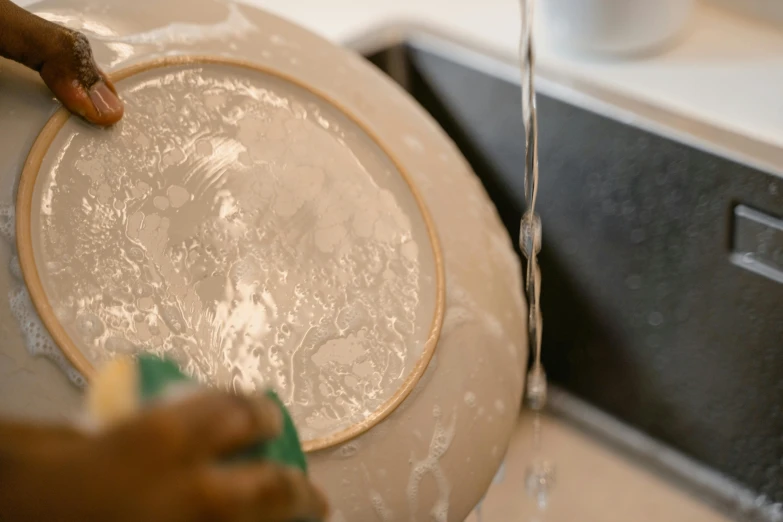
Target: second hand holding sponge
(125, 386)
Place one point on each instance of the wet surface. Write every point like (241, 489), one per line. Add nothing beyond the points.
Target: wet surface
(245, 228)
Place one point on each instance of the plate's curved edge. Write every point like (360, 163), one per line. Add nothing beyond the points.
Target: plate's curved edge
(24, 242)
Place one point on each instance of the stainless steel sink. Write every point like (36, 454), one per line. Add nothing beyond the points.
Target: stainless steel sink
(662, 262)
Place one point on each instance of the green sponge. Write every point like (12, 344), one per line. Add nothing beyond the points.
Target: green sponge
(151, 378)
(156, 374)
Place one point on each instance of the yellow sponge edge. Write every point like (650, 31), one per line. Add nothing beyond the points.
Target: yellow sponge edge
(113, 395)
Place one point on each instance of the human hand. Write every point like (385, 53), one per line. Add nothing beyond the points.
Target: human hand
(162, 466)
(64, 60)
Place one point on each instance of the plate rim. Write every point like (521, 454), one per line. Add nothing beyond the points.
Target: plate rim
(39, 298)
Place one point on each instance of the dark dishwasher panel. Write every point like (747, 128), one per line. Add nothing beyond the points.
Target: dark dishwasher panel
(648, 313)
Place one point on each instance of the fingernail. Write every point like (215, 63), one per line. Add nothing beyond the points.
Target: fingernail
(104, 100)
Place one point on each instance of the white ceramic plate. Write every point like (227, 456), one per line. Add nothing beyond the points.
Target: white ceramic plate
(244, 226)
(254, 156)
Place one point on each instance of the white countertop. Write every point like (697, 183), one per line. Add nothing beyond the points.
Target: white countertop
(726, 71)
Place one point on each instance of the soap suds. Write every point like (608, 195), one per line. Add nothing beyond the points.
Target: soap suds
(347, 450)
(178, 196)
(379, 506)
(233, 198)
(36, 337)
(442, 437)
(160, 202)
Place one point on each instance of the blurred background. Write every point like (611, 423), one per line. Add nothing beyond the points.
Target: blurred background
(661, 150)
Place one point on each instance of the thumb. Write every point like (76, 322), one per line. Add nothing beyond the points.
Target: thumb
(64, 60)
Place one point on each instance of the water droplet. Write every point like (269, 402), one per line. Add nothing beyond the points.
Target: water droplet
(539, 481)
(530, 234)
(536, 388)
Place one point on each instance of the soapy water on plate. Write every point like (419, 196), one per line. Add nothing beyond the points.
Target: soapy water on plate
(234, 226)
(442, 437)
(36, 336)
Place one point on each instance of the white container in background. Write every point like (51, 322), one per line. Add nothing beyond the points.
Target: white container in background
(612, 27)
